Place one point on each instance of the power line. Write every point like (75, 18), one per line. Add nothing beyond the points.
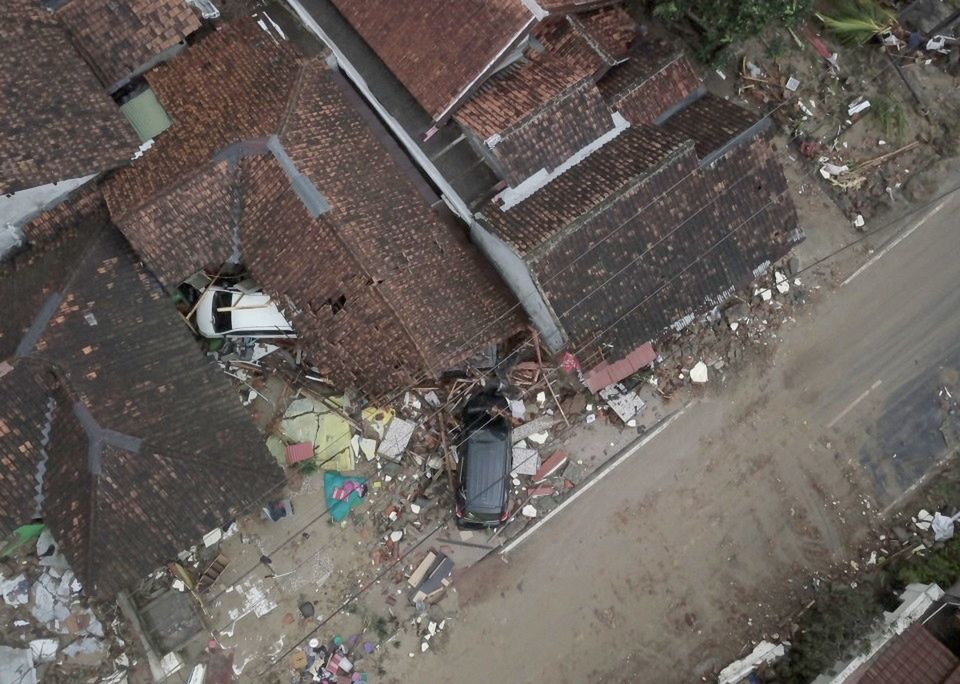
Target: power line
(446, 520)
(597, 288)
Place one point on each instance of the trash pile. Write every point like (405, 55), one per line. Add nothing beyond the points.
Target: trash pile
(866, 136)
(333, 661)
(50, 627)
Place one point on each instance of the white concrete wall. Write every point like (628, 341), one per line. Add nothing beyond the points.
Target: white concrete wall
(516, 274)
(20, 207)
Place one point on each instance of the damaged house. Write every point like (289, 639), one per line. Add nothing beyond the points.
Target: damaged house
(59, 130)
(273, 165)
(115, 430)
(631, 200)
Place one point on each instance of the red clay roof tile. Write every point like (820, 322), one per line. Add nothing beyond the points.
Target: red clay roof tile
(418, 297)
(117, 38)
(914, 657)
(436, 48)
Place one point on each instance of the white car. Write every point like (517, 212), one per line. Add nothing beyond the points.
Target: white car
(226, 312)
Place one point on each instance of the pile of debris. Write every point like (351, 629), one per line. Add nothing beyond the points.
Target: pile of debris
(50, 626)
(332, 662)
(746, 326)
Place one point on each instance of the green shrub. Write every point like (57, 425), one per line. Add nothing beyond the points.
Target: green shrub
(835, 627)
(857, 21)
(940, 565)
(890, 116)
(726, 22)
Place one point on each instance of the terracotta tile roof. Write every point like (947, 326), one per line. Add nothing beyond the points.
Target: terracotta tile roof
(711, 122)
(671, 244)
(117, 38)
(648, 85)
(519, 91)
(644, 213)
(188, 226)
(84, 206)
(307, 266)
(914, 657)
(26, 406)
(150, 447)
(436, 48)
(574, 5)
(30, 276)
(232, 85)
(537, 114)
(438, 285)
(954, 677)
(58, 123)
(610, 31)
(417, 296)
(27, 12)
(568, 198)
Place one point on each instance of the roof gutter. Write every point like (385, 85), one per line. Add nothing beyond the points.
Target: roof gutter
(453, 199)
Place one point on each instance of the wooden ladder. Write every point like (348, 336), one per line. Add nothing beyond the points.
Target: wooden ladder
(213, 571)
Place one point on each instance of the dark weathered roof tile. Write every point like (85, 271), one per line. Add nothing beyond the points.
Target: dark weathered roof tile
(187, 457)
(648, 85)
(119, 37)
(57, 122)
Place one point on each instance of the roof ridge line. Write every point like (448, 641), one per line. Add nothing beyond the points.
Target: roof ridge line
(636, 85)
(631, 183)
(294, 99)
(182, 179)
(168, 453)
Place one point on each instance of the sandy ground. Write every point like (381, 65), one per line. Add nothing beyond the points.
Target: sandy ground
(709, 535)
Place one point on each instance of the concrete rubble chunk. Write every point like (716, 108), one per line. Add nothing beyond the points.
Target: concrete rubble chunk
(16, 591)
(16, 665)
(529, 511)
(364, 447)
(46, 546)
(699, 373)
(539, 437)
(87, 650)
(44, 650)
(66, 587)
(395, 441)
(47, 607)
(535, 426)
(764, 652)
(525, 461)
(625, 404)
(783, 286)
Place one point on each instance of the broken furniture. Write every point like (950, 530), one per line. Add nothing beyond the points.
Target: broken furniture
(212, 573)
(431, 578)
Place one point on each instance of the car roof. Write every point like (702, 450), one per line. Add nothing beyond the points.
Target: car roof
(264, 315)
(486, 464)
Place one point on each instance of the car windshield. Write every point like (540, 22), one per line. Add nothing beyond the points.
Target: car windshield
(221, 319)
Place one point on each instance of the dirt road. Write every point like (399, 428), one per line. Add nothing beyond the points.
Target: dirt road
(708, 534)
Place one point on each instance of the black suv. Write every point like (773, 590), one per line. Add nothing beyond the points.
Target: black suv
(486, 456)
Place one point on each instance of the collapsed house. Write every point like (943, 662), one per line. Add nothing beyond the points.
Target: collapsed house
(631, 199)
(115, 430)
(59, 130)
(274, 165)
